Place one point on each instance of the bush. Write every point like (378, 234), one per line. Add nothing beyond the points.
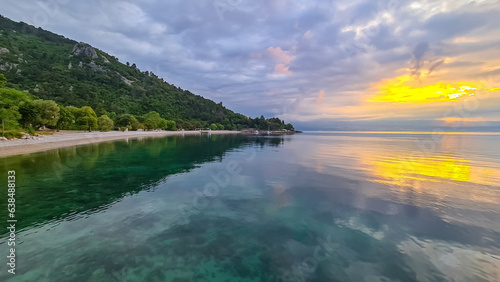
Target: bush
(31, 131)
(11, 134)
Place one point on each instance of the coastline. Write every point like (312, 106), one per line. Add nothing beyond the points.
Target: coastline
(67, 138)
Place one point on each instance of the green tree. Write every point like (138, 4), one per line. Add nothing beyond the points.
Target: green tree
(76, 113)
(105, 123)
(171, 125)
(3, 80)
(213, 126)
(87, 118)
(28, 114)
(126, 120)
(189, 125)
(163, 124)
(9, 117)
(138, 125)
(220, 126)
(66, 117)
(47, 113)
(112, 115)
(101, 111)
(12, 97)
(152, 120)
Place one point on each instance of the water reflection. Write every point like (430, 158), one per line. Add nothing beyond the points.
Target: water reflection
(65, 181)
(449, 163)
(398, 170)
(440, 205)
(398, 161)
(300, 208)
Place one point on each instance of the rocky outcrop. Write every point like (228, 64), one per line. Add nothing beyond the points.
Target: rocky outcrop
(128, 82)
(4, 51)
(84, 49)
(96, 67)
(8, 66)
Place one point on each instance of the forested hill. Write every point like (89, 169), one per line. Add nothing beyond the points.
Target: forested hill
(52, 67)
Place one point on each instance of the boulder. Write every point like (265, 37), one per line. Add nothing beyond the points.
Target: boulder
(85, 50)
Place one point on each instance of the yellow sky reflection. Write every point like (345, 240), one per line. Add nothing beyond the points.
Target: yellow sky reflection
(424, 175)
(399, 170)
(447, 172)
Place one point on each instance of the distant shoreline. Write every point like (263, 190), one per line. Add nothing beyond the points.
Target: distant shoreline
(408, 132)
(67, 138)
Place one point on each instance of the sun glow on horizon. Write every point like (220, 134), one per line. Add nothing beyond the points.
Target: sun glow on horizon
(404, 89)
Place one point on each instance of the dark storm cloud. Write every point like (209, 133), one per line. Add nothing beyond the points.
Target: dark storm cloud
(266, 56)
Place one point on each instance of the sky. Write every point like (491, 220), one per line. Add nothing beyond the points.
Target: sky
(351, 64)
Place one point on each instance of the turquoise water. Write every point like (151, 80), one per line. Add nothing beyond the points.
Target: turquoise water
(308, 207)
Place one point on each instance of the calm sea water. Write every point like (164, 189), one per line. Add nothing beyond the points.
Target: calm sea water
(308, 207)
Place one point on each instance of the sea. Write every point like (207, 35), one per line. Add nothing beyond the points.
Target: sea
(316, 206)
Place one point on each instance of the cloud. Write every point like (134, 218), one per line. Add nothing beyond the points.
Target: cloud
(321, 97)
(307, 35)
(302, 51)
(279, 55)
(282, 59)
(418, 53)
(434, 65)
(281, 69)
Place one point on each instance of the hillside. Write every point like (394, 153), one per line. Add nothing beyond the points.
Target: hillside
(52, 67)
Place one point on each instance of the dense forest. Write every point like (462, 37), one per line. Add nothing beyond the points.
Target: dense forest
(51, 81)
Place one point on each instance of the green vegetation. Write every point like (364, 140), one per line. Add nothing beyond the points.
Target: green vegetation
(46, 113)
(105, 123)
(12, 134)
(3, 81)
(47, 80)
(10, 116)
(86, 118)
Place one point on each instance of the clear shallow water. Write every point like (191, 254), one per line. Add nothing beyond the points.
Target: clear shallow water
(309, 207)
